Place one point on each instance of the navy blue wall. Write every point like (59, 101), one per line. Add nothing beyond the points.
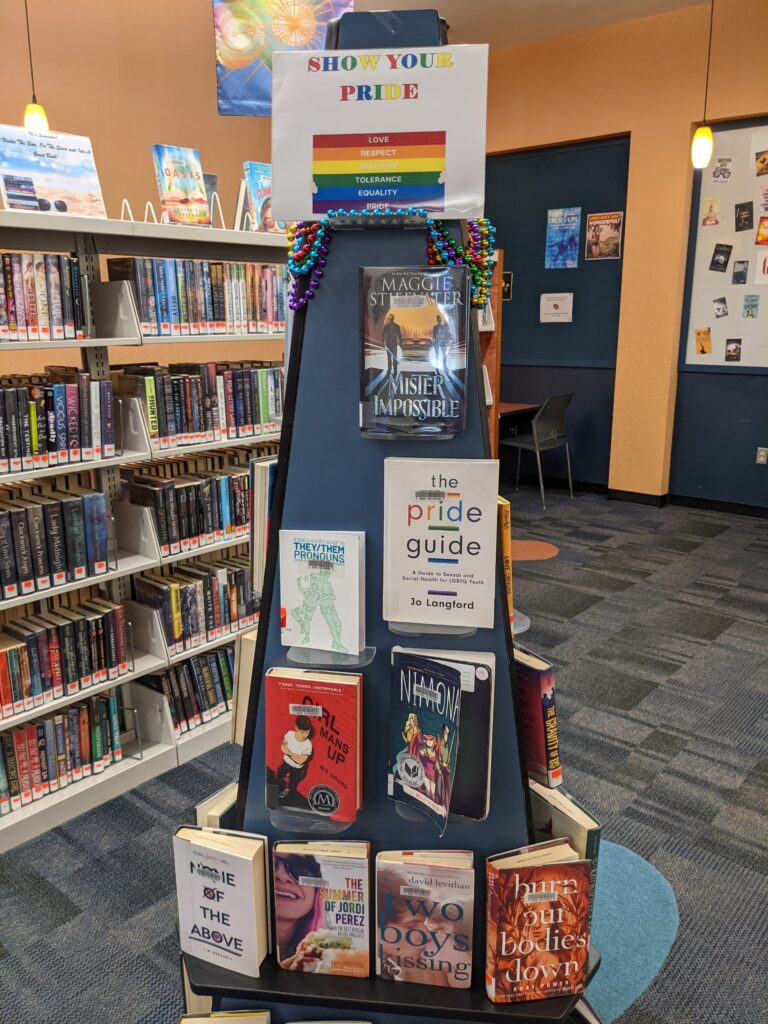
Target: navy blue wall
(721, 414)
(547, 359)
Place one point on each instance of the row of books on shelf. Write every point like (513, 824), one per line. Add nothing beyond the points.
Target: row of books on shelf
(57, 418)
(200, 601)
(193, 506)
(537, 914)
(440, 746)
(45, 756)
(183, 297)
(197, 690)
(61, 651)
(50, 537)
(202, 403)
(40, 297)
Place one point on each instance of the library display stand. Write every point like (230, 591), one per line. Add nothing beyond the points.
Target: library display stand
(111, 321)
(330, 477)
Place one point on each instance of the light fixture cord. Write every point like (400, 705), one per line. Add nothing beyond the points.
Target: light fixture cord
(29, 48)
(709, 54)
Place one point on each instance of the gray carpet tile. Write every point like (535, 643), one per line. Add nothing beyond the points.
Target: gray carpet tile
(657, 623)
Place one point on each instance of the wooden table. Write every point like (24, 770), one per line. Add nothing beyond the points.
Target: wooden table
(512, 408)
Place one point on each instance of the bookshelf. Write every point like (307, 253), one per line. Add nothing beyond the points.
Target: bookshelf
(111, 321)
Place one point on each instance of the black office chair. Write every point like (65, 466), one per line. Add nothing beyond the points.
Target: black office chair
(547, 432)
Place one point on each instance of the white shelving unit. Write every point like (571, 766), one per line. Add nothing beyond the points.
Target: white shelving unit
(111, 320)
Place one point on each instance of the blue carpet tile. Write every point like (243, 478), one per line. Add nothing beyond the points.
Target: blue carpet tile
(657, 622)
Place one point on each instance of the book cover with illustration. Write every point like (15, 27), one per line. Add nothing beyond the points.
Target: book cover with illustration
(258, 185)
(537, 923)
(720, 307)
(733, 350)
(740, 272)
(321, 907)
(181, 185)
(440, 541)
(710, 212)
(751, 307)
(471, 790)
(322, 590)
(424, 713)
(413, 372)
(424, 914)
(313, 742)
(761, 236)
(721, 254)
(744, 216)
(703, 340)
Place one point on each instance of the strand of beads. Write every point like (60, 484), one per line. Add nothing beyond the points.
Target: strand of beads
(478, 254)
(309, 246)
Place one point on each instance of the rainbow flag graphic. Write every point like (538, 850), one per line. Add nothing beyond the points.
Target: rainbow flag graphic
(379, 171)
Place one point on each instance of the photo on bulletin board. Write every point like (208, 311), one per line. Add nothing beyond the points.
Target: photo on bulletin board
(727, 324)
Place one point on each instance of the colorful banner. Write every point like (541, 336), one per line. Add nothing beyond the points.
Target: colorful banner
(249, 32)
(380, 131)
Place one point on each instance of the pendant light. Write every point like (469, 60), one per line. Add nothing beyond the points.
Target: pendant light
(703, 143)
(35, 119)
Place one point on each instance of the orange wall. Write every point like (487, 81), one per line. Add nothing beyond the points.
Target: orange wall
(647, 78)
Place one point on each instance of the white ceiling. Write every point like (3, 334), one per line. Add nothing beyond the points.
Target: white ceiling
(508, 23)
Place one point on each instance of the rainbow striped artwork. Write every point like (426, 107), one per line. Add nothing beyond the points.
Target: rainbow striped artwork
(378, 171)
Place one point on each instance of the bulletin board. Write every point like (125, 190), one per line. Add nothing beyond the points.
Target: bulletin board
(727, 322)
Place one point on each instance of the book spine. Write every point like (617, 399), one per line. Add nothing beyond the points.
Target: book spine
(107, 413)
(9, 578)
(77, 297)
(54, 656)
(173, 298)
(30, 295)
(161, 296)
(42, 759)
(5, 464)
(551, 740)
(84, 409)
(72, 398)
(95, 405)
(41, 296)
(84, 731)
(6, 693)
(22, 765)
(11, 770)
(65, 777)
(60, 422)
(39, 547)
(69, 666)
(97, 745)
(73, 736)
(49, 273)
(74, 537)
(25, 432)
(29, 740)
(183, 294)
(145, 263)
(22, 550)
(50, 754)
(5, 798)
(113, 713)
(54, 536)
(67, 300)
(10, 299)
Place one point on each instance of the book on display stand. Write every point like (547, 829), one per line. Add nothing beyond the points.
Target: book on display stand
(335, 474)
